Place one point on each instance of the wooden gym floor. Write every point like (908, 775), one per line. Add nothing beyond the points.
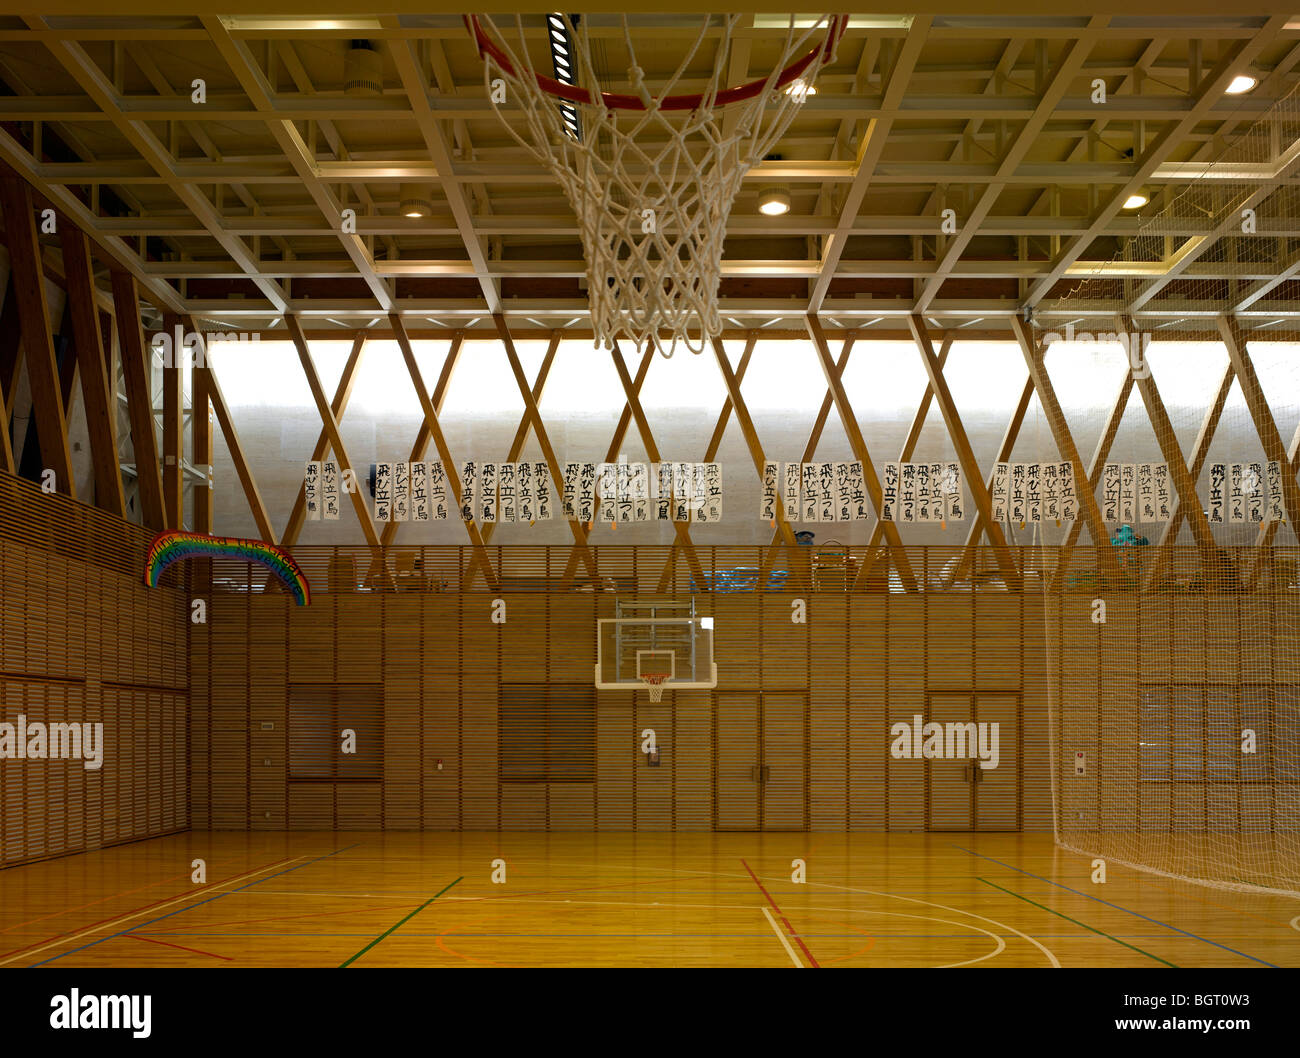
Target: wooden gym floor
(395, 899)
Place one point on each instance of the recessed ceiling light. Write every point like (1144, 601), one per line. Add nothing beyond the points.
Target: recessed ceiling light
(414, 200)
(774, 201)
(1241, 84)
(1136, 200)
(800, 87)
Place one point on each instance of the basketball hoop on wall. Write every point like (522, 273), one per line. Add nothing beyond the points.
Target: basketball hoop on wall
(651, 174)
(654, 683)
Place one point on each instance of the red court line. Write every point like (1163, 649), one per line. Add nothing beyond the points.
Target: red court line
(81, 907)
(182, 947)
(789, 928)
(143, 907)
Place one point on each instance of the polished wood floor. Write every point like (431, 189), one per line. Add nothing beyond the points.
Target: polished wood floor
(392, 899)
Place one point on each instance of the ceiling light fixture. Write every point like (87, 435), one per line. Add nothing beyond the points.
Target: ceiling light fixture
(363, 70)
(774, 201)
(800, 87)
(1240, 85)
(1136, 200)
(414, 201)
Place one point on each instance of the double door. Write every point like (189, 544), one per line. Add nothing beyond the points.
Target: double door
(761, 760)
(960, 794)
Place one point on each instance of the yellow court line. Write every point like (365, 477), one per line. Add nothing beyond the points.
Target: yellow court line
(147, 911)
(781, 937)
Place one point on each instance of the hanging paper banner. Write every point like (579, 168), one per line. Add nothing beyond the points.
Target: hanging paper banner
(937, 506)
(1146, 492)
(889, 492)
(607, 492)
(468, 490)
(1019, 501)
(767, 499)
(790, 493)
(712, 492)
(664, 497)
(954, 507)
(585, 499)
(1273, 508)
(826, 491)
(383, 492)
(922, 474)
(489, 508)
(507, 497)
(569, 498)
(439, 498)
(1001, 495)
(857, 493)
(401, 491)
(623, 487)
(1069, 499)
(1128, 493)
(543, 494)
(1253, 486)
(1163, 500)
(640, 492)
(812, 508)
(420, 510)
(683, 491)
(1051, 493)
(1110, 488)
(907, 494)
(311, 491)
(699, 504)
(1034, 491)
(526, 505)
(842, 495)
(329, 490)
(1236, 501)
(1218, 493)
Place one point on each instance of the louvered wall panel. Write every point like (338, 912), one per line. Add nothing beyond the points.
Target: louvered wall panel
(479, 789)
(867, 729)
(692, 759)
(229, 629)
(654, 785)
(616, 755)
(440, 689)
(907, 695)
(828, 713)
(268, 690)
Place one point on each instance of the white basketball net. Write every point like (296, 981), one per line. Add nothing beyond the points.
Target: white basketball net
(653, 188)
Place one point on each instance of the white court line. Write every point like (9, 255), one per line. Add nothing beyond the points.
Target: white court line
(147, 911)
(782, 938)
(1295, 922)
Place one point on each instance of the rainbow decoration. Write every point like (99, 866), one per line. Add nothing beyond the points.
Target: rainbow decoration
(173, 545)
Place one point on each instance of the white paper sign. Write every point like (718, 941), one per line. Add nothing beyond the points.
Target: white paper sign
(924, 511)
(1253, 487)
(907, 498)
(1273, 508)
(468, 490)
(1164, 501)
(1051, 492)
(790, 492)
(663, 501)
(419, 491)
(311, 491)
(525, 502)
(812, 508)
(383, 492)
(585, 499)
(1146, 492)
(329, 492)
(954, 507)
(858, 511)
(487, 492)
(543, 493)
(1019, 502)
(1128, 493)
(401, 491)
(712, 509)
(890, 484)
(572, 477)
(768, 497)
(1069, 499)
(1034, 491)
(683, 491)
(640, 481)
(1218, 493)
(1001, 495)
(1110, 489)
(1236, 500)
(439, 500)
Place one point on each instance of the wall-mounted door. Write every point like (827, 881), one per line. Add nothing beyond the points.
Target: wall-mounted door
(961, 794)
(761, 760)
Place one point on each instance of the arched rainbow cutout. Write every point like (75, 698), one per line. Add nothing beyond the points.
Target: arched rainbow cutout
(173, 546)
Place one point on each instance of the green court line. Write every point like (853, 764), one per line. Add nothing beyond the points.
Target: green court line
(412, 915)
(1078, 923)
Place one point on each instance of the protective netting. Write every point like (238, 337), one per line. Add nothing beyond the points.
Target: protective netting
(1176, 713)
(652, 187)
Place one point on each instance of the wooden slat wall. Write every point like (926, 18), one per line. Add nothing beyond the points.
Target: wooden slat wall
(83, 640)
(860, 662)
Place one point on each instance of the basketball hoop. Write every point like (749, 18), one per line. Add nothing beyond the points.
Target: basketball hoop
(654, 683)
(652, 176)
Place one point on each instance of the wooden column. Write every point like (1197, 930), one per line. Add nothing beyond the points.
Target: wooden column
(42, 368)
(173, 404)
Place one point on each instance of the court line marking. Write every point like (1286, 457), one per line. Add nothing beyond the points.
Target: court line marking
(1118, 907)
(1295, 922)
(85, 931)
(82, 907)
(209, 900)
(1051, 956)
(1067, 918)
(168, 944)
(797, 939)
(782, 938)
(349, 962)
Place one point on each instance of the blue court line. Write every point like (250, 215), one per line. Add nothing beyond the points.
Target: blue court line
(1118, 907)
(209, 900)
